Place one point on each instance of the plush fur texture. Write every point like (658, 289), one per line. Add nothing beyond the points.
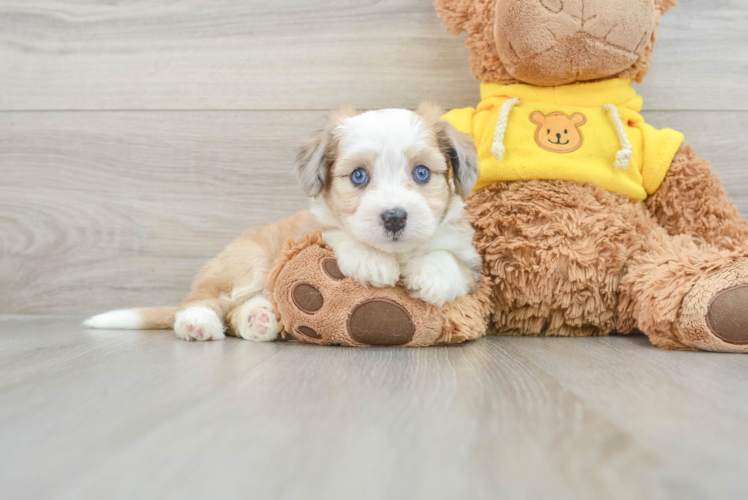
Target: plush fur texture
(570, 259)
(554, 252)
(692, 201)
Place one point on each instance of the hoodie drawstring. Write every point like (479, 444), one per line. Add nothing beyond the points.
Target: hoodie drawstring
(627, 150)
(498, 149)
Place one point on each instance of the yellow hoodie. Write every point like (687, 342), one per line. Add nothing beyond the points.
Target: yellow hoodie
(588, 132)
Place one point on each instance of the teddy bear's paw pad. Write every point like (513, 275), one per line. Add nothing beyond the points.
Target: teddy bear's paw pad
(307, 298)
(258, 321)
(309, 332)
(332, 270)
(198, 323)
(727, 316)
(381, 322)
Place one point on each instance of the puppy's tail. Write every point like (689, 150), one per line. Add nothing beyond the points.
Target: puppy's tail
(150, 318)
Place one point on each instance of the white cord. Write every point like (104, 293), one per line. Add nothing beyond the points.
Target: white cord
(627, 150)
(498, 149)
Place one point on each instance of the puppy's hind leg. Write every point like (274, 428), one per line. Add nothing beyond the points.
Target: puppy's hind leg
(199, 323)
(254, 320)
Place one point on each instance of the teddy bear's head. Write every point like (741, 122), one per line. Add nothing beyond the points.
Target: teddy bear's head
(556, 42)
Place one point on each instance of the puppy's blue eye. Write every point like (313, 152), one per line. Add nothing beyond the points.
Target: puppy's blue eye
(422, 175)
(359, 177)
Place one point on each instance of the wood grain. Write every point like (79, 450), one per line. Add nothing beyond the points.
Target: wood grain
(110, 414)
(311, 54)
(101, 210)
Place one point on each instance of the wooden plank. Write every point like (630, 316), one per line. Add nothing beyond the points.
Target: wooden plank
(131, 205)
(100, 210)
(142, 415)
(307, 54)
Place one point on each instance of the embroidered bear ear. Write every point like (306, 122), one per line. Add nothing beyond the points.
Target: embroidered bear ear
(537, 117)
(578, 119)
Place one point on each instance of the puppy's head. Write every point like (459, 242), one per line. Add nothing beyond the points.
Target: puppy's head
(388, 177)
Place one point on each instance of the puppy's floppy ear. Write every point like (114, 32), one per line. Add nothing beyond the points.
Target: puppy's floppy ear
(456, 146)
(463, 157)
(315, 159)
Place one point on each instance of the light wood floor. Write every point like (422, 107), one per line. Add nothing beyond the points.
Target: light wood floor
(107, 414)
(137, 138)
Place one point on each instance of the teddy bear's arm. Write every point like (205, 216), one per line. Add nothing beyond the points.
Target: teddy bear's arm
(692, 201)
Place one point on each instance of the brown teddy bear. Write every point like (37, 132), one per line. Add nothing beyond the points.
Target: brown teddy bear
(589, 220)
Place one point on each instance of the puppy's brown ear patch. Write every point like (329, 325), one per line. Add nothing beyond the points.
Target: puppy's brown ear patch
(316, 158)
(457, 147)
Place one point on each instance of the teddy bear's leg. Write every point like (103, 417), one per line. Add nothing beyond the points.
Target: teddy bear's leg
(688, 295)
(691, 201)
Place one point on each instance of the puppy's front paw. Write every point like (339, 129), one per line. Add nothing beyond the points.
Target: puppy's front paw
(369, 267)
(257, 320)
(199, 323)
(436, 280)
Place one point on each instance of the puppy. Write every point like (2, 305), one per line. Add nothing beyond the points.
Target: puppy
(387, 190)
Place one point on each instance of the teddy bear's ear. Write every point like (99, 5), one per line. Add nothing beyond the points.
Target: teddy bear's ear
(318, 155)
(665, 5)
(454, 13)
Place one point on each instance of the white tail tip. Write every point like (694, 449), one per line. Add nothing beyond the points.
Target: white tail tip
(121, 319)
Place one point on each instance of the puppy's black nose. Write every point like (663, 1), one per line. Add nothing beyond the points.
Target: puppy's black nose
(558, 136)
(394, 220)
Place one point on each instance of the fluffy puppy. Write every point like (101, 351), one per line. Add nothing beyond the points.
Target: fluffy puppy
(387, 190)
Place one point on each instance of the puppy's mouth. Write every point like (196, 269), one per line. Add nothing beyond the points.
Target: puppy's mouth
(394, 237)
(559, 143)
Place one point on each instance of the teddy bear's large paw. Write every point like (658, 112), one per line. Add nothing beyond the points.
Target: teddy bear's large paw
(727, 315)
(714, 314)
(319, 304)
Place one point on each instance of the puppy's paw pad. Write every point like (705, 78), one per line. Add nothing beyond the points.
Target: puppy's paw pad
(258, 321)
(199, 323)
